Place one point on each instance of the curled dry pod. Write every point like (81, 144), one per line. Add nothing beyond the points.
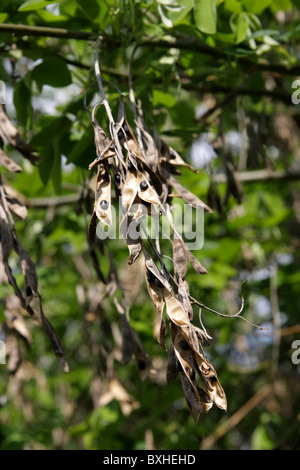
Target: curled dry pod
(155, 289)
(185, 356)
(172, 367)
(175, 310)
(129, 189)
(134, 241)
(210, 379)
(103, 195)
(196, 405)
(145, 191)
(186, 195)
(6, 239)
(170, 155)
(131, 144)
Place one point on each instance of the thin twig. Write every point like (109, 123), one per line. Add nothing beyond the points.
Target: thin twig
(234, 315)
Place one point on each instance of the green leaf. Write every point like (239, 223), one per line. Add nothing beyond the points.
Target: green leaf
(32, 5)
(22, 100)
(261, 439)
(83, 151)
(205, 15)
(242, 27)
(53, 72)
(256, 6)
(56, 169)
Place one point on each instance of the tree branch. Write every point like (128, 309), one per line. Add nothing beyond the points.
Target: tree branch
(26, 30)
(52, 201)
(177, 43)
(256, 176)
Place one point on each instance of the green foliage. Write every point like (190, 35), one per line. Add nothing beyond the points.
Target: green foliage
(232, 71)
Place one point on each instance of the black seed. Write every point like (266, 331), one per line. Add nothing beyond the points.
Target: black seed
(112, 147)
(118, 178)
(141, 364)
(143, 185)
(103, 204)
(123, 132)
(153, 279)
(106, 176)
(150, 276)
(192, 374)
(213, 378)
(130, 166)
(172, 154)
(28, 290)
(140, 167)
(158, 283)
(185, 345)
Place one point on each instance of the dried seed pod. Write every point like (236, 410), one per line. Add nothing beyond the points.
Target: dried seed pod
(155, 289)
(172, 368)
(103, 195)
(6, 239)
(170, 155)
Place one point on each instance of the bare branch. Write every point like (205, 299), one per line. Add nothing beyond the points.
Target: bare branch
(261, 175)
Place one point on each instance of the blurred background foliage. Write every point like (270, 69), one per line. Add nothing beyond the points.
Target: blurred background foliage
(217, 79)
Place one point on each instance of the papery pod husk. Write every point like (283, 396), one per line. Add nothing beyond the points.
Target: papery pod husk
(210, 379)
(135, 246)
(157, 297)
(17, 207)
(129, 189)
(29, 273)
(103, 193)
(195, 404)
(150, 147)
(148, 195)
(172, 365)
(187, 195)
(10, 135)
(175, 310)
(130, 143)
(6, 239)
(8, 163)
(92, 227)
(185, 356)
(183, 297)
(179, 258)
(171, 156)
(103, 145)
(151, 266)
